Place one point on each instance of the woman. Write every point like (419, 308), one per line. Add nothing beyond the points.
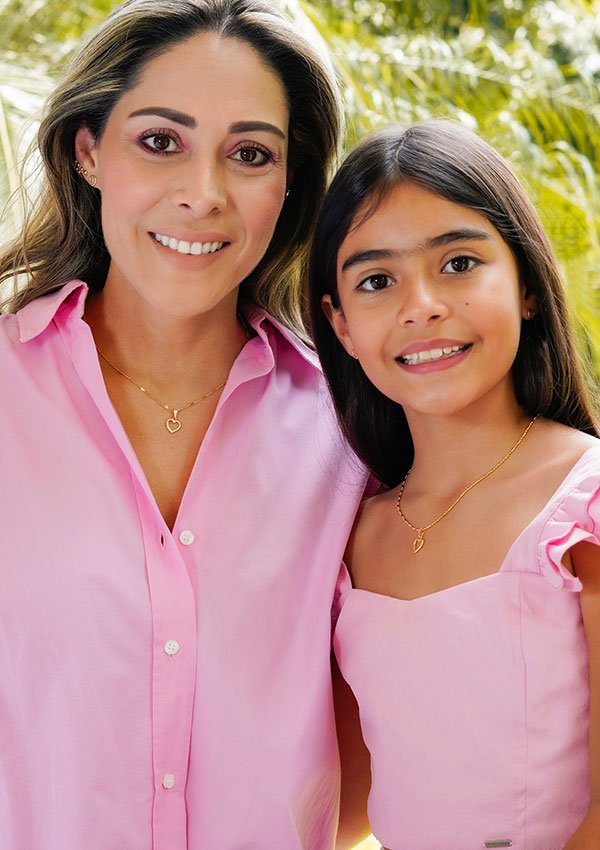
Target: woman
(178, 496)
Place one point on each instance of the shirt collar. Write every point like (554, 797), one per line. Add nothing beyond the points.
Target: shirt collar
(68, 302)
(260, 320)
(64, 303)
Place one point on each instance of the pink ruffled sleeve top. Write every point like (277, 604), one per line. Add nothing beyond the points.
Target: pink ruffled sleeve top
(474, 700)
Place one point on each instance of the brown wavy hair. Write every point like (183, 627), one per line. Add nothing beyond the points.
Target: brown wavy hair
(62, 235)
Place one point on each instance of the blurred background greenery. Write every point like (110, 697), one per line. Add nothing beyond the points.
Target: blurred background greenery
(524, 73)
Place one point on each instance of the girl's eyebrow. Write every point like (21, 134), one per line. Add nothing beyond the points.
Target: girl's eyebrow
(375, 254)
(190, 121)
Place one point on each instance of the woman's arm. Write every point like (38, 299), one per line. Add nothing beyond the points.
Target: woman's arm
(585, 560)
(355, 763)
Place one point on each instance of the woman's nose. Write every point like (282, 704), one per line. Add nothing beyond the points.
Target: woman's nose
(201, 189)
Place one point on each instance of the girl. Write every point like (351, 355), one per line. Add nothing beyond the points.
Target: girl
(469, 627)
(165, 588)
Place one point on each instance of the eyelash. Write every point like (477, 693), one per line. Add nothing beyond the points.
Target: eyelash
(253, 146)
(167, 134)
(473, 263)
(371, 277)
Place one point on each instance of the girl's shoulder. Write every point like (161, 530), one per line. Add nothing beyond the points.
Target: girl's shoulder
(572, 514)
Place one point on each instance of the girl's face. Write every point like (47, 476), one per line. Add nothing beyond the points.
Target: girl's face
(430, 302)
(192, 173)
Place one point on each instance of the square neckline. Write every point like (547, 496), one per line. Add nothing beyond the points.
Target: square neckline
(547, 508)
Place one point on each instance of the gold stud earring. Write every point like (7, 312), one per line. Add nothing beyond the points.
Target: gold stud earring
(530, 313)
(91, 178)
(354, 354)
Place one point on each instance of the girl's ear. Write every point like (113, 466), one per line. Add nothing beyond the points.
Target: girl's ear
(529, 305)
(86, 152)
(337, 320)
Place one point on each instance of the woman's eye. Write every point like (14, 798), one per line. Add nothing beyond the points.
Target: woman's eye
(160, 143)
(375, 282)
(460, 265)
(252, 155)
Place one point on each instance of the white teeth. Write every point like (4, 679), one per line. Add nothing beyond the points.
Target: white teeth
(183, 247)
(430, 354)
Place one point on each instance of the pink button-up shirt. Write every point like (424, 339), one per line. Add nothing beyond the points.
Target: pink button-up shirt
(158, 690)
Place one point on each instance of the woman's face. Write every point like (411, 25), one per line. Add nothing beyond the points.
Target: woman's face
(192, 173)
(431, 302)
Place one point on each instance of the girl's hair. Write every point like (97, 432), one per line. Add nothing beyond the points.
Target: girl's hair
(455, 164)
(62, 236)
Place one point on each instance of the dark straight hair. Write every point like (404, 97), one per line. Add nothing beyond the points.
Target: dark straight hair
(455, 164)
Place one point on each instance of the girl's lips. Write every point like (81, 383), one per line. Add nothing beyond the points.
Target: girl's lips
(437, 363)
(434, 351)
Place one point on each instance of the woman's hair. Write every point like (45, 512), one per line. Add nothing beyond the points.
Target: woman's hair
(455, 164)
(62, 236)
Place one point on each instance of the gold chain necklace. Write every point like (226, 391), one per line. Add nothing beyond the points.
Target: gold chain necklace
(172, 424)
(419, 540)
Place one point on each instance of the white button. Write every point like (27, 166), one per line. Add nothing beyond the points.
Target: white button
(187, 538)
(172, 647)
(168, 781)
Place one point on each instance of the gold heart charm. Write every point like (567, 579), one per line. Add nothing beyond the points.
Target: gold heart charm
(418, 544)
(172, 425)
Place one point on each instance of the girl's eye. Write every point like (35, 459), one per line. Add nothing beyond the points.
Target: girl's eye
(460, 265)
(253, 155)
(375, 282)
(159, 142)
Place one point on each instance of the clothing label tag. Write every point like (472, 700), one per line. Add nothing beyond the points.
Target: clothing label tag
(498, 842)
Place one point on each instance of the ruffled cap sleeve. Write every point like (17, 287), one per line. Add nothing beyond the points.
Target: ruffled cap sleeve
(576, 518)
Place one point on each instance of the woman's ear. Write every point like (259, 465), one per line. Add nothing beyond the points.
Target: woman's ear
(337, 320)
(86, 153)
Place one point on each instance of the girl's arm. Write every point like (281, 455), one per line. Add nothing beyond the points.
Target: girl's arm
(355, 763)
(585, 559)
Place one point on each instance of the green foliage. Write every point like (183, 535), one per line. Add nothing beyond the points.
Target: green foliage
(524, 73)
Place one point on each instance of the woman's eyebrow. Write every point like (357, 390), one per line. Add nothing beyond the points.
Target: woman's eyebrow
(375, 254)
(190, 121)
(169, 114)
(250, 126)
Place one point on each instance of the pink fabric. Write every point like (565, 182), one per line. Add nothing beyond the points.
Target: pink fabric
(112, 736)
(474, 700)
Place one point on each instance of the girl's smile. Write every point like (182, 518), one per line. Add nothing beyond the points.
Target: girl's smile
(433, 355)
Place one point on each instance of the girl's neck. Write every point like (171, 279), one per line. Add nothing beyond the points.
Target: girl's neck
(453, 451)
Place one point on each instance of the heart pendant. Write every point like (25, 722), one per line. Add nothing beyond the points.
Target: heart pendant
(418, 544)
(172, 425)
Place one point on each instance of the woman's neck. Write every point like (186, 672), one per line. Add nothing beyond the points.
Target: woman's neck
(174, 354)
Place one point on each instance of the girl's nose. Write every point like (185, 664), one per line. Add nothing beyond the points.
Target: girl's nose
(421, 303)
